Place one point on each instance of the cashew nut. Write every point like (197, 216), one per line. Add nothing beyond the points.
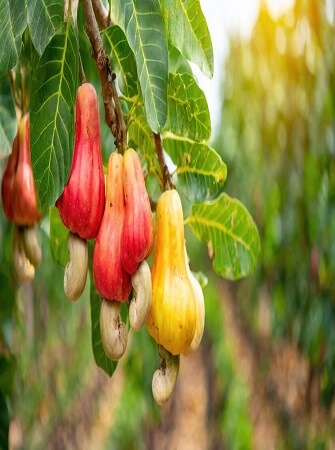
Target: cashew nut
(200, 309)
(31, 245)
(140, 303)
(24, 269)
(76, 269)
(165, 377)
(200, 314)
(114, 335)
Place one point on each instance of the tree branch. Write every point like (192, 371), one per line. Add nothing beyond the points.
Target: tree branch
(167, 180)
(112, 105)
(101, 14)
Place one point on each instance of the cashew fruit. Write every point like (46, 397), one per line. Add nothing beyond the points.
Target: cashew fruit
(114, 334)
(165, 377)
(81, 204)
(18, 186)
(76, 269)
(8, 180)
(172, 315)
(32, 247)
(23, 267)
(200, 309)
(137, 237)
(140, 303)
(110, 278)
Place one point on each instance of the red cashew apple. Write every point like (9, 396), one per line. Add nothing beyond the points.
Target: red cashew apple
(81, 204)
(111, 279)
(137, 237)
(18, 186)
(8, 180)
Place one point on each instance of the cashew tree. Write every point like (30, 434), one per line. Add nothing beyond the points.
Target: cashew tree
(136, 55)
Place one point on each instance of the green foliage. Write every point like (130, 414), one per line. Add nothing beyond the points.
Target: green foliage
(152, 99)
(278, 139)
(188, 32)
(52, 115)
(13, 22)
(8, 119)
(122, 60)
(200, 171)
(58, 237)
(140, 134)
(144, 28)
(230, 233)
(188, 109)
(44, 17)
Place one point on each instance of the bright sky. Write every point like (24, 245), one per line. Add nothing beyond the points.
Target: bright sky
(226, 17)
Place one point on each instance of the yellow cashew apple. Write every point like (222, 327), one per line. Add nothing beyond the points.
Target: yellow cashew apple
(172, 315)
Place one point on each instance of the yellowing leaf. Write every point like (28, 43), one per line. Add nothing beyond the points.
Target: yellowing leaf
(188, 114)
(200, 170)
(228, 229)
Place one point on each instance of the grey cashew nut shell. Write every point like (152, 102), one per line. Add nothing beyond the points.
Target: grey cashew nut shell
(76, 269)
(140, 303)
(165, 377)
(114, 334)
(23, 267)
(31, 245)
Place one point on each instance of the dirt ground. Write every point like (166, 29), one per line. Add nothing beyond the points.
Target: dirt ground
(283, 396)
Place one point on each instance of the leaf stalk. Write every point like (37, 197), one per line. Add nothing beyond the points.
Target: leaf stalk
(167, 180)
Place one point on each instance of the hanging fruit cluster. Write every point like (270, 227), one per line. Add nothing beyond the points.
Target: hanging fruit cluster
(177, 314)
(20, 205)
(81, 204)
(116, 213)
(124, 240)
(118, 217)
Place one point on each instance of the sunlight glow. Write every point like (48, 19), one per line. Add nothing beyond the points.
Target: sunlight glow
(277, 7)
(226, 18)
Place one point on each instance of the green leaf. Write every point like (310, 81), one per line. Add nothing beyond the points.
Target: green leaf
(226, 226)
(58, 237)
(13, 21)
(188, 110)
(145, 31)
(8, 122)
(122, 60)
(100, 356)
(44, 17)
(188, 32)
(139, 131)
(200, 170)
(141, 137)
(177, 62)
(54, 85)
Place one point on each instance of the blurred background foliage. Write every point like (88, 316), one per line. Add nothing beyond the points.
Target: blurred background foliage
(268, 353)
(277, 136)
